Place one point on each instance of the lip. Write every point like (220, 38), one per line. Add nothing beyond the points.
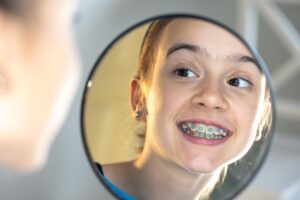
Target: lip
(207, 122)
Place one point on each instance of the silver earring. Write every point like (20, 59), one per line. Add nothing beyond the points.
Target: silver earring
(137, 114)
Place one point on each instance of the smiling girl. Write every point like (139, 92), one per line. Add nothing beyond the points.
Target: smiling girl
(201, 95)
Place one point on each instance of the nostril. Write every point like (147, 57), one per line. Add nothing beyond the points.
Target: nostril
(201, 104)
(218, 107)
(207, 105)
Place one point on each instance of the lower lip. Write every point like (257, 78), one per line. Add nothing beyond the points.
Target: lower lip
(205, 142)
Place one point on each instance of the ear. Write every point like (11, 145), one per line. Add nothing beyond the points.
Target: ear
(137, 99)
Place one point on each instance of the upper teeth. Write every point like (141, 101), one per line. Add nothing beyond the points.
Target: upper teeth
(202, 130)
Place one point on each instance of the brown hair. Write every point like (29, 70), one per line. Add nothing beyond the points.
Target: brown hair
(18, 8)
(147, 56)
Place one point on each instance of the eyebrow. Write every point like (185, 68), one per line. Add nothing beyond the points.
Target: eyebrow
(189, 47)
(239, 58)
(235, 58)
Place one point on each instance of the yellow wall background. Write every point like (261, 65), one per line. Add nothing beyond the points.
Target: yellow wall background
(110, 128)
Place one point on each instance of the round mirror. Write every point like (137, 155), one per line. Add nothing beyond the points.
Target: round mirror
(177, 107)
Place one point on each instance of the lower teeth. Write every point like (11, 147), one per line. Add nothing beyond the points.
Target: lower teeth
(203, 135)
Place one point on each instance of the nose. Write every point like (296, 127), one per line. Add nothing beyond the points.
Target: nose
(210, 95)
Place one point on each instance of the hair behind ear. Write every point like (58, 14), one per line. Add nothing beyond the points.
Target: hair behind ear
(265, 124)
(18, 8)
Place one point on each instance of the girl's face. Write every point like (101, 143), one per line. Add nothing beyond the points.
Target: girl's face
(205, 98)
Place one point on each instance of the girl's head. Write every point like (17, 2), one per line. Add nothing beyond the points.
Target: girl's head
(201, 94)
(38, 76)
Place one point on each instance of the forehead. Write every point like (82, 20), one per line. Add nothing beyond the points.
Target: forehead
(214, 39)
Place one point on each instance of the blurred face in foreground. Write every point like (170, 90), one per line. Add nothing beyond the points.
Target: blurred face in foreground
(38, 77)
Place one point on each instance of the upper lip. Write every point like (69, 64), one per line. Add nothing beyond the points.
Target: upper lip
(211, 122)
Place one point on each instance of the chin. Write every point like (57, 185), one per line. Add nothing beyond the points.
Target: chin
(32, 159)
(31, 165)
(200, 167)
(25, 163)
(203, 170)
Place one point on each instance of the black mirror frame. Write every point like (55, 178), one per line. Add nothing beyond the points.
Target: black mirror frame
(252, 50)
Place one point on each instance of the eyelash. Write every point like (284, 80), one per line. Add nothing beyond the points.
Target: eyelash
(182, 72)
(239, 78)
(185, 72)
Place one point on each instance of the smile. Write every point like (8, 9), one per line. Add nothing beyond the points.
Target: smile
(202, 131)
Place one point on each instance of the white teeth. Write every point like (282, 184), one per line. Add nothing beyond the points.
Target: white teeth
(210, 130)
(201, 128)
(203, 131)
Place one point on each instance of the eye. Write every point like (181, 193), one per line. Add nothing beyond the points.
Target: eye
(185, 72)
(239, 82)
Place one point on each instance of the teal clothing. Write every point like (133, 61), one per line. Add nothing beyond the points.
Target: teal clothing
(122, 195)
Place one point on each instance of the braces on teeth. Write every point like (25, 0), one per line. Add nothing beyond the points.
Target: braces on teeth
(203, 131)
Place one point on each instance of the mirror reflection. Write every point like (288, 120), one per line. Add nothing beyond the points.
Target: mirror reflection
(177, 108)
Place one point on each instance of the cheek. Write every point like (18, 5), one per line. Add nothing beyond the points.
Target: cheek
(245, 110)
(50, 62)
(163, 104)
(246, 114)
(165, 101)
